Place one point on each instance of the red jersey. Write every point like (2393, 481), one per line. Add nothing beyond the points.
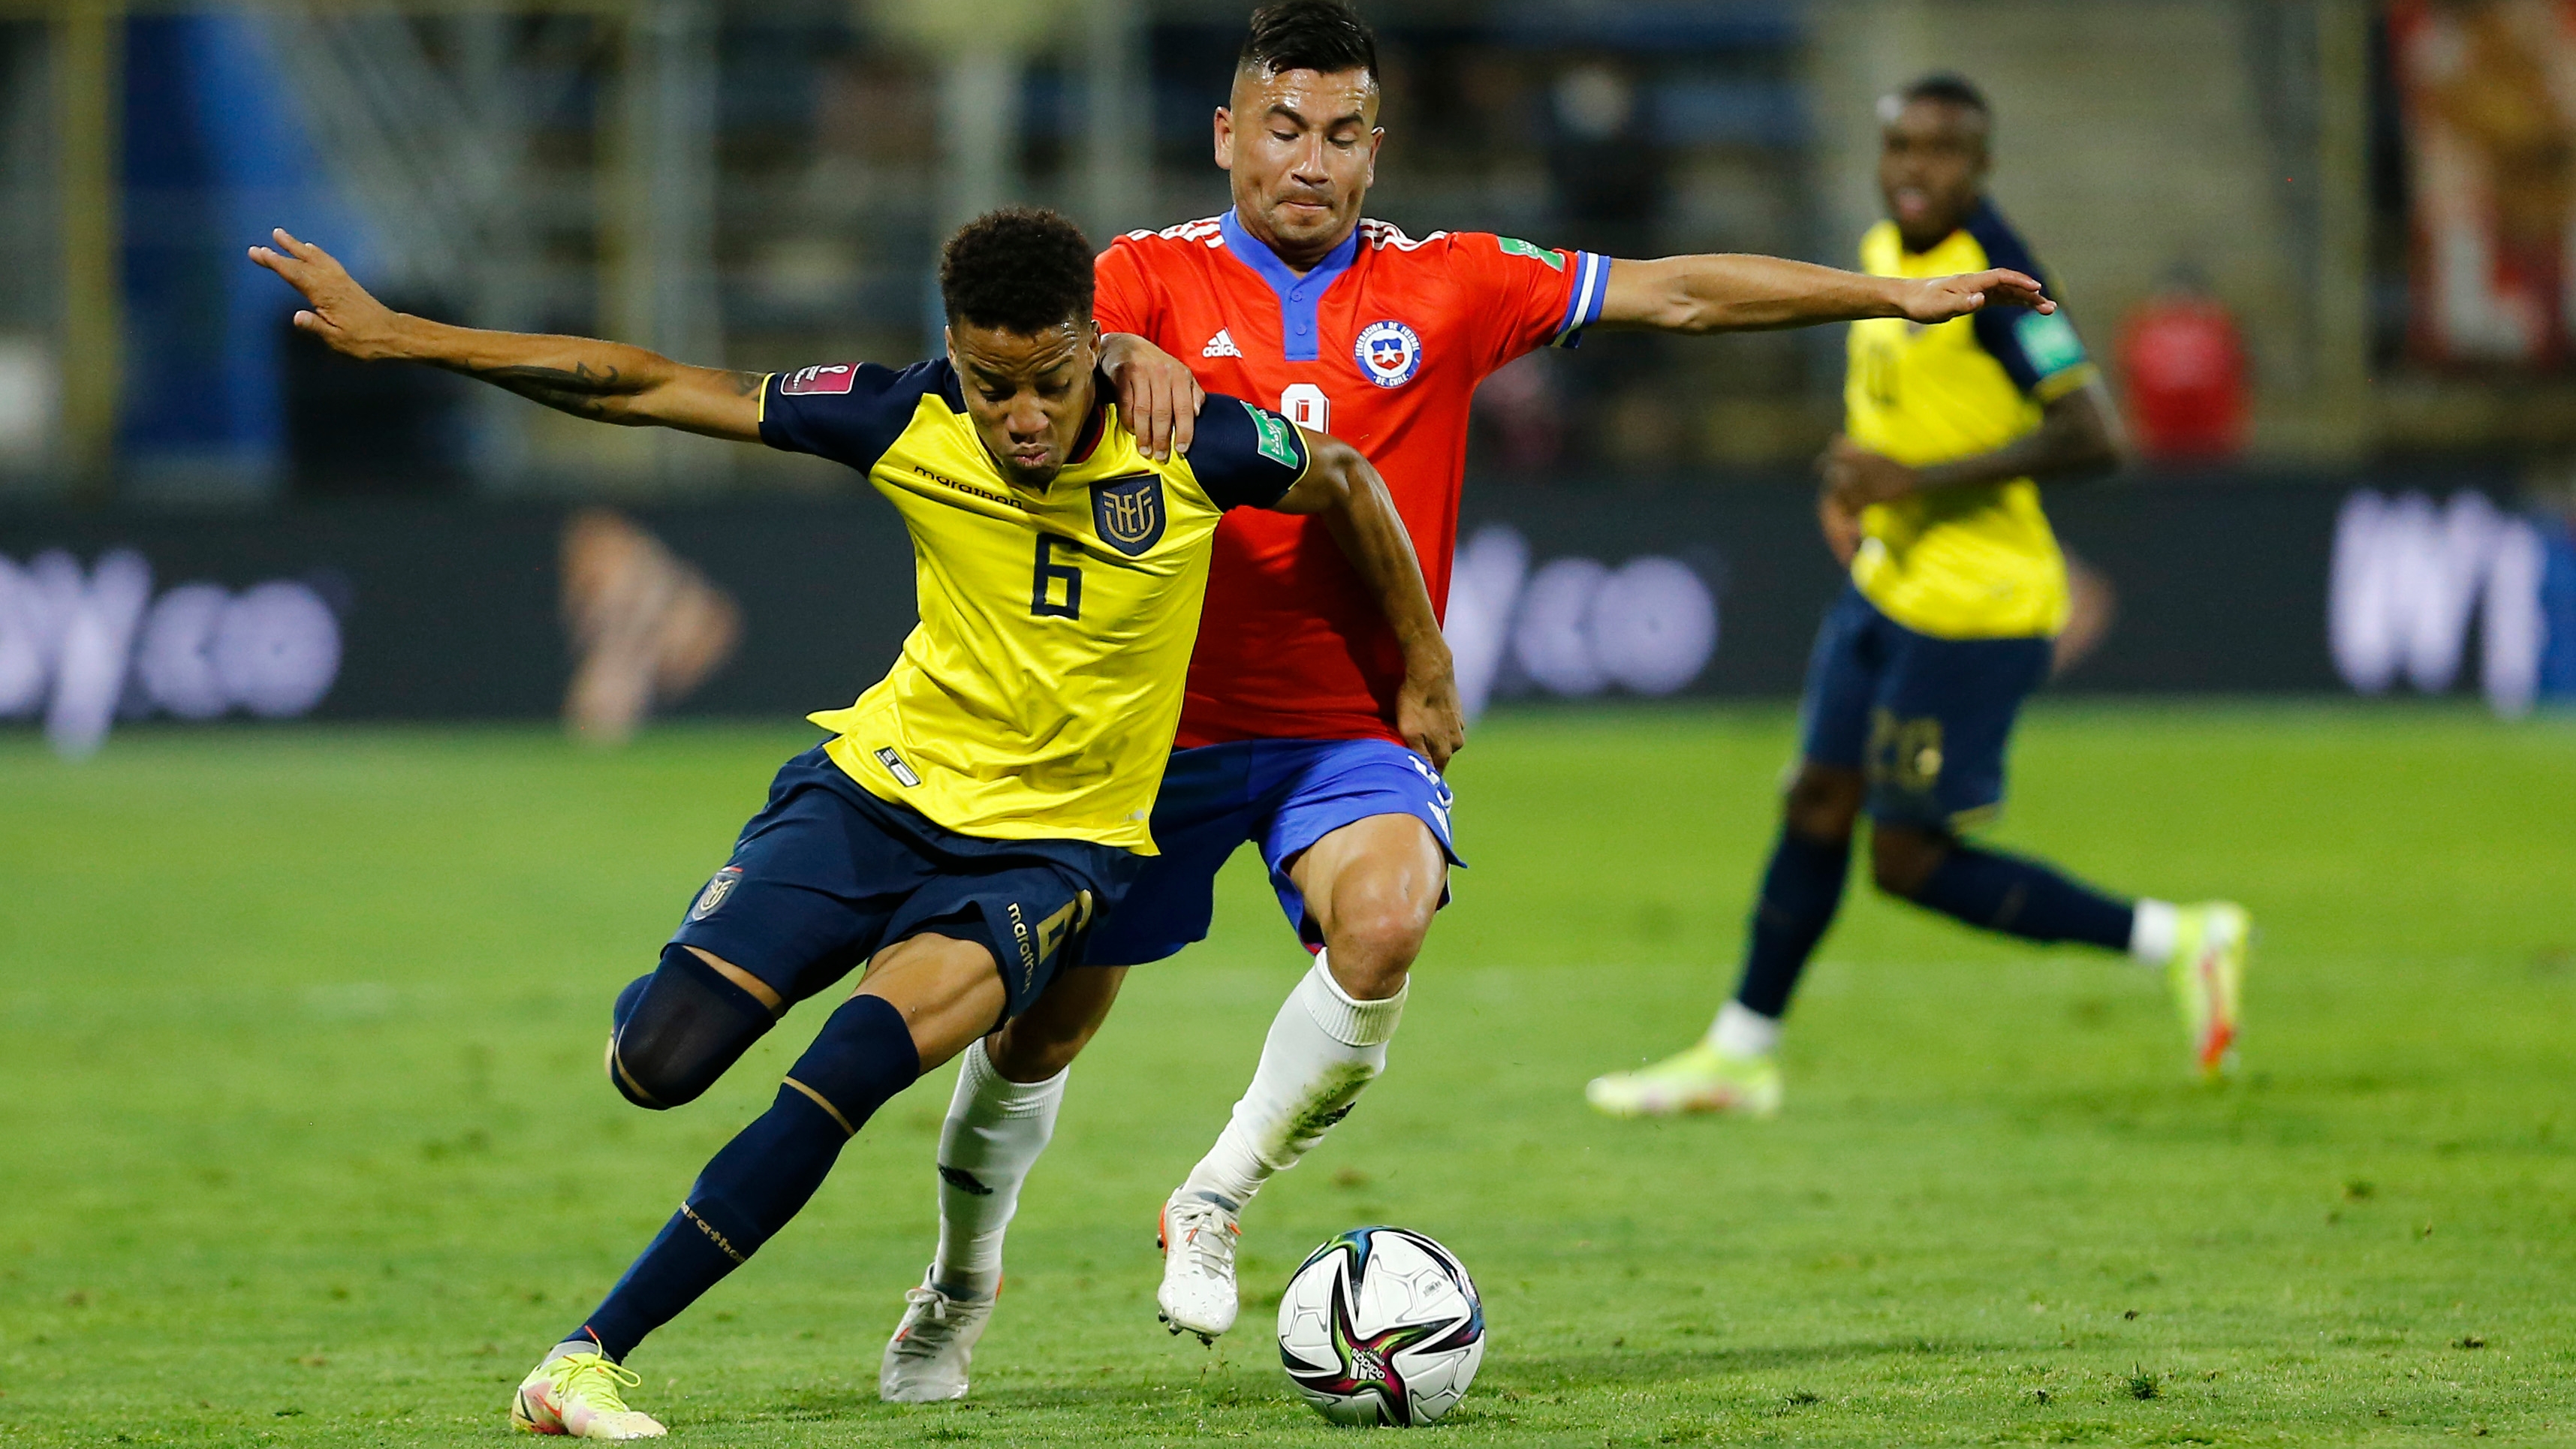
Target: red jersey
(1381, 345)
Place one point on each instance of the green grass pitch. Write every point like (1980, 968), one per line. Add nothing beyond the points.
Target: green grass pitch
(303, 1136)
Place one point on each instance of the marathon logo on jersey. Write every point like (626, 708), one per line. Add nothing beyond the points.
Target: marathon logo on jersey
(1128, 512)
(719, 890)
(809, 381)
(1389, 353)
(896, 767)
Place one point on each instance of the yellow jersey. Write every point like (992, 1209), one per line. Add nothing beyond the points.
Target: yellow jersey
(1973, 562)
(1039, 694)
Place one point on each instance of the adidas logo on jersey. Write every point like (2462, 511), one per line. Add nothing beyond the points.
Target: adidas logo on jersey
(1221, 345)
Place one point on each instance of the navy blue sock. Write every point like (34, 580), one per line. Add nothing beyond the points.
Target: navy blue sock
(766, 1174)
(1800, 892)
(2023, 898)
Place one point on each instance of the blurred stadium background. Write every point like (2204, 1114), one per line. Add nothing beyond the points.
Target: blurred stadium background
(2324, 246)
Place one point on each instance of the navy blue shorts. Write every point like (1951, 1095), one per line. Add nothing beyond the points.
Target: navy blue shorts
(1926, 719)
(1282, 795)
(827, 874)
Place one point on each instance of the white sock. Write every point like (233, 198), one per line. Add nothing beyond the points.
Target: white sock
(995, 1130)
(2153, 932)
(1740, 1031)
(1324, 1049)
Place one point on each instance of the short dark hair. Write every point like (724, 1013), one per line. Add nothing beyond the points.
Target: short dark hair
(1020, 269)
(1317, 35)
(1951, 88)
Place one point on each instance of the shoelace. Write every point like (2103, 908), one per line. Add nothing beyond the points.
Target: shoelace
(934, 1306)
(1201, 1229)
(587, 1366)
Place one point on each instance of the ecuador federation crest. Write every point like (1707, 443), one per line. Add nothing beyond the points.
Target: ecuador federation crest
(718, 890)
(1128, 512)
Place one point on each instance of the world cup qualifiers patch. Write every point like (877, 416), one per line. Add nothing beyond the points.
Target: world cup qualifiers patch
(808, 381)
(1273, 437)
(1128, 512)
(2049, 341)
(719, 889)
(1388, 352)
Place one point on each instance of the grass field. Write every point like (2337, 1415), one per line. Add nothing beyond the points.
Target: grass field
(306, 1138)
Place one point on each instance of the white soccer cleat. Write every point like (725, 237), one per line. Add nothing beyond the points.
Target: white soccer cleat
(577, 1394)
(925, 1361)
(1197, 1237)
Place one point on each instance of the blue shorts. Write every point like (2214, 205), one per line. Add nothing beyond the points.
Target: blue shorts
(1925, 719)
(1282, 795)
(827, 874)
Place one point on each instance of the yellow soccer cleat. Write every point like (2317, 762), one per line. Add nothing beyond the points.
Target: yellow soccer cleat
(576, 1394)
(1702, 1079)
(2206, 972)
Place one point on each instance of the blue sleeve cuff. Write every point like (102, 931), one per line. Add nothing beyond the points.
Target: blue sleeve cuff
(1583, 308)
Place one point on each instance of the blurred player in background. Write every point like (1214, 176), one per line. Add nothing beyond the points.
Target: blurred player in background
(1289, 737)
(646, 626)
(979, 805)
(1957, 588)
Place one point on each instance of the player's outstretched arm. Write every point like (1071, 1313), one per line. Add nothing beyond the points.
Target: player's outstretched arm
(1342, 485)
(1730, 292)
(607, 382)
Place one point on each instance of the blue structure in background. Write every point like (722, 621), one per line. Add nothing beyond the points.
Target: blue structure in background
(2558, 610)
(217, 151)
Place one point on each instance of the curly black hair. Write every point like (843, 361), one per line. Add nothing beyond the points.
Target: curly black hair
(1020, 269)
(1950, 88)
(1317, 35)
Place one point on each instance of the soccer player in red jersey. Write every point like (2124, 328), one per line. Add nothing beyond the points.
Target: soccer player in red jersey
(1293, 735)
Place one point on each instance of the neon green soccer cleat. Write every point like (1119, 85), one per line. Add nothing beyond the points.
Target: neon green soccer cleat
(2206, 973)
(576, 1394)
(1702, 1079)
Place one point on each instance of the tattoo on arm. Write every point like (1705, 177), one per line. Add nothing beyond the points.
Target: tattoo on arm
(584, 391)
(747, 384)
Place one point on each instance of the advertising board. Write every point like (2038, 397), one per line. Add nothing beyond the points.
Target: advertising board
(430, 610)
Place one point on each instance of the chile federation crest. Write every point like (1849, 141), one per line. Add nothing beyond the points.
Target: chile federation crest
(1128, 512)
(1388, 352)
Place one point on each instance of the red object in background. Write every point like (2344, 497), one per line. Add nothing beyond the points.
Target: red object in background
(2184, 367)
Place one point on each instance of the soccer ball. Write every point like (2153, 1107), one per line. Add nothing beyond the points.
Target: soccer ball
(1381, 1326)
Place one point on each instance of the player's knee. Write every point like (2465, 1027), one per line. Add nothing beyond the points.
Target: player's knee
(1029, 1051)
(678, 1029)
(1824, 804)
(1900, 860)
(1371, 948)
(1043, 1040)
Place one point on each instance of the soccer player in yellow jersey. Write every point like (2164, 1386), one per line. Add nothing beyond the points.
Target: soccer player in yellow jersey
(981, 804)
(1957, 587)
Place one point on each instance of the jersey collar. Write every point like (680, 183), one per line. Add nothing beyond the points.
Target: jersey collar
(1300, 335)
(1095, 427)
(1983, 211)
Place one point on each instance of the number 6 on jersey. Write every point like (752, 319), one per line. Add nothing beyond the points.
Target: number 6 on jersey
(1042, 604)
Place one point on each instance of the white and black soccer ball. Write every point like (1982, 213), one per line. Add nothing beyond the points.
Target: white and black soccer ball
(1381, 1326)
